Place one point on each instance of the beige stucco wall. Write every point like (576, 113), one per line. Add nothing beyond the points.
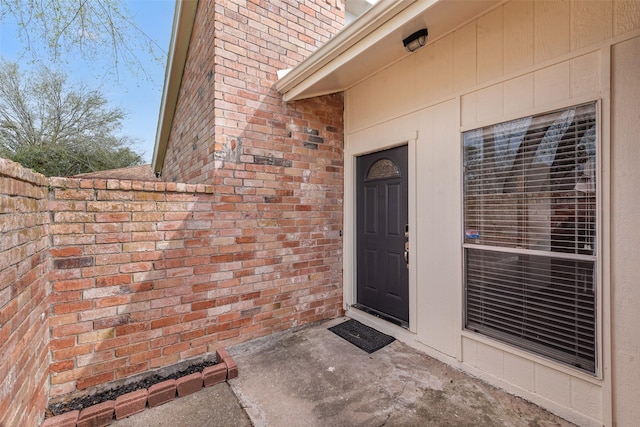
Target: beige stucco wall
(521, 58)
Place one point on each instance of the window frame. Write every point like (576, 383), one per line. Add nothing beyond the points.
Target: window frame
(599, 233)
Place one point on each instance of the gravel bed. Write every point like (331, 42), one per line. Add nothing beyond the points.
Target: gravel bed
(80, 403)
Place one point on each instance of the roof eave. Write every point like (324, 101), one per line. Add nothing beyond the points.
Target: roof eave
(294, 83)
(373, 42)
(183, 20)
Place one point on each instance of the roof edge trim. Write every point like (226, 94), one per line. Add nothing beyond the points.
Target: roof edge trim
(341, 42)
(183, 20)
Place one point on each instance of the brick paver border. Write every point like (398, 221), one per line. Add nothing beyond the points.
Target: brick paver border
(137, 401)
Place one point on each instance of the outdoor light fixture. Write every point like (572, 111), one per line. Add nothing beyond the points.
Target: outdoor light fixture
(416, 40)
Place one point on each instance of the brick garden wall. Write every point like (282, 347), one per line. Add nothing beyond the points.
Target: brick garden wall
(106, 279)
(24, 293)
(145, 275)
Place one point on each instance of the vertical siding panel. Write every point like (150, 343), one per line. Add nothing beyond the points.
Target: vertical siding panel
(554, 385)
(380, 99)
(552, 84)
(366, 103)
(438, 201)
(353, 101)
(490, 45)
(519, 371)
(585, 74)
(625, 205)
(424, 84)
(464, 57)
(392, 89)
(586, 398)
(439, 62)
(469, 109)
(591, 22)
(626, 16)
(491, 360)
(386, 94)
(518, 35)
(366, 99)
(424, 174)
(518, 94)
(551, 29)
(490, 103)
(470, 351)
(365, 108)
(371, 95)
(407, 81)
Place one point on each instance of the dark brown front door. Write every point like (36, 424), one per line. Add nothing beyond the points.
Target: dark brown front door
(382, 215)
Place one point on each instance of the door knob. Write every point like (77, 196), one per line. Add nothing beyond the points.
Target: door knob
(406, 245)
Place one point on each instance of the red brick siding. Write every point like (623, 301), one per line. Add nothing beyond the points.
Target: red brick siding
(228, 109)
(24, 314)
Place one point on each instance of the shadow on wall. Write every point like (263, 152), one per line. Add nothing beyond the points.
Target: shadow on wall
(142, 275)
(145, 275)
(24, 291)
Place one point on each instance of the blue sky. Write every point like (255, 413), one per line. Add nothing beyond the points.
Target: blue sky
(137, 97)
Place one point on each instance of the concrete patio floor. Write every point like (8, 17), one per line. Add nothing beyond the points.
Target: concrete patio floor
(214, 406)
(311, 377)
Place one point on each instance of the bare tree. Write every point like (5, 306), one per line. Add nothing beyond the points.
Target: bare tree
(56, 129)
(89, 29)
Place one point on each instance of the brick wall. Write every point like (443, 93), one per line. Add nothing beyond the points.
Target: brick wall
(145, 275)
(24, 289)
(142, 275)
(105, 279)
(229, 118)
(277, 167)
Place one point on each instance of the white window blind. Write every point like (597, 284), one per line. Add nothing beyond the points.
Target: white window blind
(530, 233)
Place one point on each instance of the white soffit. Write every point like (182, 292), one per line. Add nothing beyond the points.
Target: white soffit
(373, 42)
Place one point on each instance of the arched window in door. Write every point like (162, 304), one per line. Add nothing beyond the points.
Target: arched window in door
(383, 168)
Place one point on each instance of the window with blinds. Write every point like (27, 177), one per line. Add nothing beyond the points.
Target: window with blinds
(530, 234)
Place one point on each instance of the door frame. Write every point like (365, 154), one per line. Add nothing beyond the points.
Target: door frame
(361, 145)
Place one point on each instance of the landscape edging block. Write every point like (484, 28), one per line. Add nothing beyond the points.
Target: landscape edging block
(232, 368)
(131, 403)
(162, 393)
(102, 414)
(189, 384)
(68, 419)
(215, 374)
(99, 415)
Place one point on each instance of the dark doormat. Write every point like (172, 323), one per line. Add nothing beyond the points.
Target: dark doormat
(362, 336)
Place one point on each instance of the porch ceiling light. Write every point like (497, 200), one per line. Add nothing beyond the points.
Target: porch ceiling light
(416, 40)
